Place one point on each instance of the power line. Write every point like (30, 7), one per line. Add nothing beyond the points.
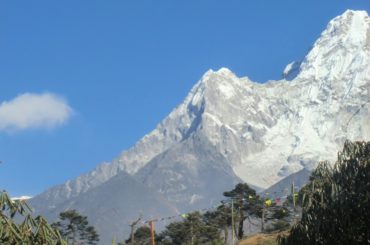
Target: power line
(277, 201)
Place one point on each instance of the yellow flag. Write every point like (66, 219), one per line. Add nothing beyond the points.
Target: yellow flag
(184, 216)
(268, 202)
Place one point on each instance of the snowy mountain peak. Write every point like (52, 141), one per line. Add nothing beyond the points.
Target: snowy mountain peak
(362, 13)
(230, 129)
(351, 28)
(225, 71)
(216, 78)
(219, 85)
(343, 50)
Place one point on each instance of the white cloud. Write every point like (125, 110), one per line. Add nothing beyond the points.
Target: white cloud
(31, 110)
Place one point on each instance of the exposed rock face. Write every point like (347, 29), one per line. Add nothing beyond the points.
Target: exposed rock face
(230, 129)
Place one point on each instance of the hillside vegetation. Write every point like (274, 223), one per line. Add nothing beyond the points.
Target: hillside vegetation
(336, 202)
(335, 210)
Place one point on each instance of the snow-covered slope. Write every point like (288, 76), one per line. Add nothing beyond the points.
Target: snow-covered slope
(268, 131)
(237, 129)
(191, 175)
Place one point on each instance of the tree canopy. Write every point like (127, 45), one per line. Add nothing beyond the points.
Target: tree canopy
(75, 228)
(336, 201)
(192, 230)
(246, 201)
(142, 236)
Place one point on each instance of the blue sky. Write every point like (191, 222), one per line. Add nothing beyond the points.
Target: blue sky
(95, 76)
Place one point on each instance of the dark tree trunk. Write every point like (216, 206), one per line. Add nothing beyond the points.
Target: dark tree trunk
(241, 224)
(226, 234)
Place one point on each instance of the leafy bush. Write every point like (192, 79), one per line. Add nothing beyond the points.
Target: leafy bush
(35, 231)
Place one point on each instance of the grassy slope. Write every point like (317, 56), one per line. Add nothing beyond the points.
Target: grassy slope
(260, 239)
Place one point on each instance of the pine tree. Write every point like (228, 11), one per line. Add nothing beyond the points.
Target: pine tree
(220, 218)
(75, 229)
(142, 236)
(246, 203)
(192, 231)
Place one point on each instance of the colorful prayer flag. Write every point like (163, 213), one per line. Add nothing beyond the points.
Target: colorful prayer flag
(184, 216)
(268, 202)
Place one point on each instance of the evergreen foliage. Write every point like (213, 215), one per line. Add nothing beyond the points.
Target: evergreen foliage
(142, 236)
(35, 231)
(75, 229)
(336, 202)
(246, 202)
(193, 230)
(221, 218)
(279, 218)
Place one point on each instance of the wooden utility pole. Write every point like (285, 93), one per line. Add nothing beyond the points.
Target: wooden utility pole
(133, 226)
(263, 218)
(232, 222)
(152, 237)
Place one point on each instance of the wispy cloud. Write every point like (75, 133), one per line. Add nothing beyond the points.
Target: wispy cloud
(31, 110)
